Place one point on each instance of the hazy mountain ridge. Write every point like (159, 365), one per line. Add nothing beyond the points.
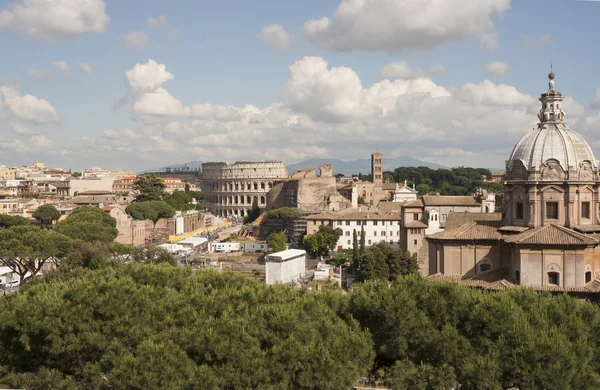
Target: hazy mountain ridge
(362, 165)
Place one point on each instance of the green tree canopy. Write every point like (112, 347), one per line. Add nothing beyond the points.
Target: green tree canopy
(149, 186)
(9, 220)
(46, 214)
(153, 326)
(26, 249)
(286, 213)
(277, 242)
(89, 224)
(382, 262)
(179, 200)
(152, 210)
(323, 241)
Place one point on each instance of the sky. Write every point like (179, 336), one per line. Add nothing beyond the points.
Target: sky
(136, 84)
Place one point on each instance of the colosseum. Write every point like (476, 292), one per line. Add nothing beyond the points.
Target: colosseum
(231, 189)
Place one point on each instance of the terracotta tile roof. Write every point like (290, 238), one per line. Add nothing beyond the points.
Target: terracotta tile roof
(388, 186)
(512, 229)
(551, 235)
(107, 208)
(457, 219)
(414, 203)
(443, 200)
(416, 225)
(390, 207)
(587, 228)
(354, 215)
(482, 230)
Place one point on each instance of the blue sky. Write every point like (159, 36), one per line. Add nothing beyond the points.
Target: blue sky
(331, 105)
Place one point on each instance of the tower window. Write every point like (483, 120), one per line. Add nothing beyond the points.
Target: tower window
(553, 278)
(585, 210)
(519, 210)
(552, 210)
(588, 276)
(415, 217)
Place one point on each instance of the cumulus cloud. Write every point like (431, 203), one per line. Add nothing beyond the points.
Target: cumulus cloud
(497, 68)
(61, 65)
(25, 107)
(161, 21)
(403, 24)
(85, 68)
(51, 20)
(401, 70)
(20, 129)
(136, 40)
(277, 36)
(487, 92)
(328, 111)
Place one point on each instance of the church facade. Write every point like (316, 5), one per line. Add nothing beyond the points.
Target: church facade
(548, 235)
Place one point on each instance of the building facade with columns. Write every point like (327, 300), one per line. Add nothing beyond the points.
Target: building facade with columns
(548, 235)
(231, 188)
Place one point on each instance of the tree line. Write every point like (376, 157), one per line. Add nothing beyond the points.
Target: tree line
(140, 326)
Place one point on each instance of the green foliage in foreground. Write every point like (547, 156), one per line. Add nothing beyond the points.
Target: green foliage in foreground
(151, 327)
(285, 213)
(138, 326)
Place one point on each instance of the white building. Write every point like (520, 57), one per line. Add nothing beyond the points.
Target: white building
(285, 266)
(224, 247)
(377, 226)
(104, 183)
(253, 247)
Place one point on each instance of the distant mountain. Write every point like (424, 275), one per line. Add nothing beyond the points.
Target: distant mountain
(362, 165)
(347, 167)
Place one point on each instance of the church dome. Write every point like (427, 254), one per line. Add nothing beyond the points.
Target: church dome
(552, 143)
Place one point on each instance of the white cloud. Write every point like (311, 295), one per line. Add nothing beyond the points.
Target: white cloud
(161, 21)
(402, 24)
(487, 92)
(146, 77)
(326, 111)
(20, 129)
(433, 69)
(401, 70)
(144, 83)
(61, 65)
(497, 68)
(276, 35)
(85, 68)
(136, 40)
(51, 20)
(25, 107)
(36, 73)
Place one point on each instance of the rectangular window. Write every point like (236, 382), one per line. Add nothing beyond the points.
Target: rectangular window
(375, 233)
(347, 223)
(374, 223)
(585, 210)
(383, 233)
(348, 233)
(520, 211)
(415, 217)
(348, 242)
(552, 210)
(415, 242)
(369, 242)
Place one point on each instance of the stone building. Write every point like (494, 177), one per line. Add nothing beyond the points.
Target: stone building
(378, 226)
(131, 231)
(548, 234)
(231, 189)
(311, 191)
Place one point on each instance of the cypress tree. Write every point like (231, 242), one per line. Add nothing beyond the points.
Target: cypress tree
(362, 240)
(355, 251)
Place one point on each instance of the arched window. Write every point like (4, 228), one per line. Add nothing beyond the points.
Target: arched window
(588, 276)
(262, 200)
(553, 278)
